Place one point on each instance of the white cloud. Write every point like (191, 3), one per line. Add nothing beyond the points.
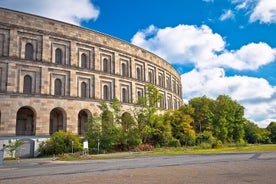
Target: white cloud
(201, 47)
(180, 44)
(248, 57)
(227, 15)
(255, 94)
(265, 12)
(70, 11)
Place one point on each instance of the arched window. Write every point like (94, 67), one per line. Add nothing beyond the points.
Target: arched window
(160, 80)
(124, 95)
(58, 56)
(124, 70)
(27, 86)
(105, 92)
(106, 65)
(84, 60)
(138, 73)
(139, 94)
(168, 83)
(29, 51)
(58, 87)
(83, 89)
(150, 77)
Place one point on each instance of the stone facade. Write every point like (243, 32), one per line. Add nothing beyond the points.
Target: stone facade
(53, 75)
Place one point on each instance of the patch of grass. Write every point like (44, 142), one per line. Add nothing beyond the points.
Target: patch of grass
(169, 150)
(198, 150)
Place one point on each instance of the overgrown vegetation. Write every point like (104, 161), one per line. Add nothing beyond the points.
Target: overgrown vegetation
(203, 123)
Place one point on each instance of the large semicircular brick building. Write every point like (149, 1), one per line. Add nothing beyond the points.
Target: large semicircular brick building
(54, 74)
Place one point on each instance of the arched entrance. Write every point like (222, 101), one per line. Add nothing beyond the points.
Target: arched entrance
(57, 120)
(25, 122)
(83, 118)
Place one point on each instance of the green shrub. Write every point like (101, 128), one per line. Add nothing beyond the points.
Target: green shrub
(59, 143)
(174, 143)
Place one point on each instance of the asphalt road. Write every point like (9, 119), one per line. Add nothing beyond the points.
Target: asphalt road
(257, 167)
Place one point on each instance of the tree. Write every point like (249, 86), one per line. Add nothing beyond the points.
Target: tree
(272, 129)
(180, 121)
(109, 131)
(93, 134)
(228, 121)
(254, 134)
(202, 115)
(129, 135)
(146, 113)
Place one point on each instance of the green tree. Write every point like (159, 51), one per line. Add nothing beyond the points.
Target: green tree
(180, 121)
(272, 129)
(228, 121)
(109, 131)
(93, 134)
(252, 132)
(146, 111)
(203, 114)
(129, 132)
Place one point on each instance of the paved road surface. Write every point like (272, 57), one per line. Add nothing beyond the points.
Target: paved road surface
(257, 167)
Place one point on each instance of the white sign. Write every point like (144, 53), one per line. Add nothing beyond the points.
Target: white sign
(85, 144)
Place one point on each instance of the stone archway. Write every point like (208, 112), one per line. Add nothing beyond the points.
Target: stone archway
(83, 118)
(25, 122)
(57, 120)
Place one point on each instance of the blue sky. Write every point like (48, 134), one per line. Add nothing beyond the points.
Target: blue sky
(217, 46)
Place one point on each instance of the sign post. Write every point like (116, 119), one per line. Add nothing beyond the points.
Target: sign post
(85, 146)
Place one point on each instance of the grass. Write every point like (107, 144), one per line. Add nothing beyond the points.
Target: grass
(197, 150)
(168, 151)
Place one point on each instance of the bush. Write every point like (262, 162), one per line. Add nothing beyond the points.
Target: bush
(174, 143)
(60, 142)
(217, 144)
(143, 147)
(205, 145)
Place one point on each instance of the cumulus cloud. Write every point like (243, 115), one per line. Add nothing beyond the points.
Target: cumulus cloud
(228, 14)
(202, 47)
(248, 57)
(70, 11)
(265, 12)
(180, 44)
(256, 94)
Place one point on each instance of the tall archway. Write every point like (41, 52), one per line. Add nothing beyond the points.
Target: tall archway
(25, 122)
(57, 120)
(58, 56)
(83, 118)
(27, 86)
(83, 60)
(29, 51)
(83, 90)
